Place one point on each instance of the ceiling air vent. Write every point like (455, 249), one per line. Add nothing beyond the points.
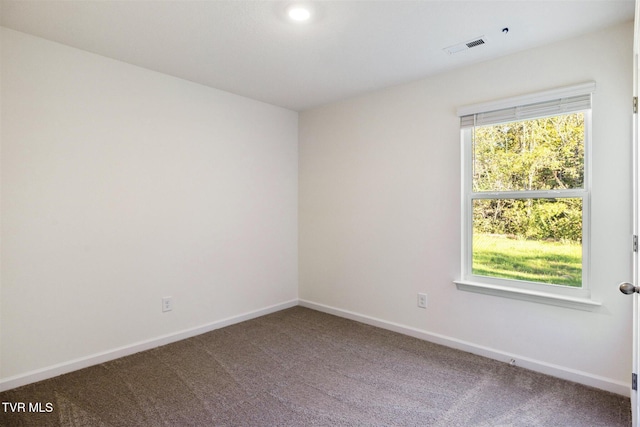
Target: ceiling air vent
(475, 43)
(478, 41)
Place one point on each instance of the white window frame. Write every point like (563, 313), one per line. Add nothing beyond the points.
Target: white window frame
(509, 110)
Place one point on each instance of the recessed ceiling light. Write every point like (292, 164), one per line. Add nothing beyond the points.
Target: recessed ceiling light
(299, 13)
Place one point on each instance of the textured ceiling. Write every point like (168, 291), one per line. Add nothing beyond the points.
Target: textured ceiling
(348, 48)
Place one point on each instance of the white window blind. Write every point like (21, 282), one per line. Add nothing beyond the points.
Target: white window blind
(550, 103)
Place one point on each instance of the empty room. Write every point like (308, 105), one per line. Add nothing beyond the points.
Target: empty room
(318, 213)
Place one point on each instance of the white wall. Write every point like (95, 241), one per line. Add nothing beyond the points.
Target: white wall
(121, 186)
(379, 211)
(1, 204)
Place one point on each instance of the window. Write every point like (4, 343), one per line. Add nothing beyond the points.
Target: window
(526, 196)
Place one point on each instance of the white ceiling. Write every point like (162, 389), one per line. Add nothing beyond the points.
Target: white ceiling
(349, 47)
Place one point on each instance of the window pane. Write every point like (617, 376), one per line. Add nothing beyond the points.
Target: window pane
(537, 240)
(539, 154)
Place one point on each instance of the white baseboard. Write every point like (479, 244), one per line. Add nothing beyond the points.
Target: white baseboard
(566, 373)
(563, 372)
(96, 359)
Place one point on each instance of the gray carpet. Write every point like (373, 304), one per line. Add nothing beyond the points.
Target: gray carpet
(299, 367)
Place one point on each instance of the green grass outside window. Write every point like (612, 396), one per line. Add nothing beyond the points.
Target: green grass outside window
(531, 260)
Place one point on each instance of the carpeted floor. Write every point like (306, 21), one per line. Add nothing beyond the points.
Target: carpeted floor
(299, 367)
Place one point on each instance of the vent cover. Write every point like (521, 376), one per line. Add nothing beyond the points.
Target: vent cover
(478, 41)
(475, 43)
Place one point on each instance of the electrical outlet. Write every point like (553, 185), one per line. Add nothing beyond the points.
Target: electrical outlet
(167, 304)
(422, 300)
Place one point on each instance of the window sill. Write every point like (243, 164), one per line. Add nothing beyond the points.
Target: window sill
(528, 295)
